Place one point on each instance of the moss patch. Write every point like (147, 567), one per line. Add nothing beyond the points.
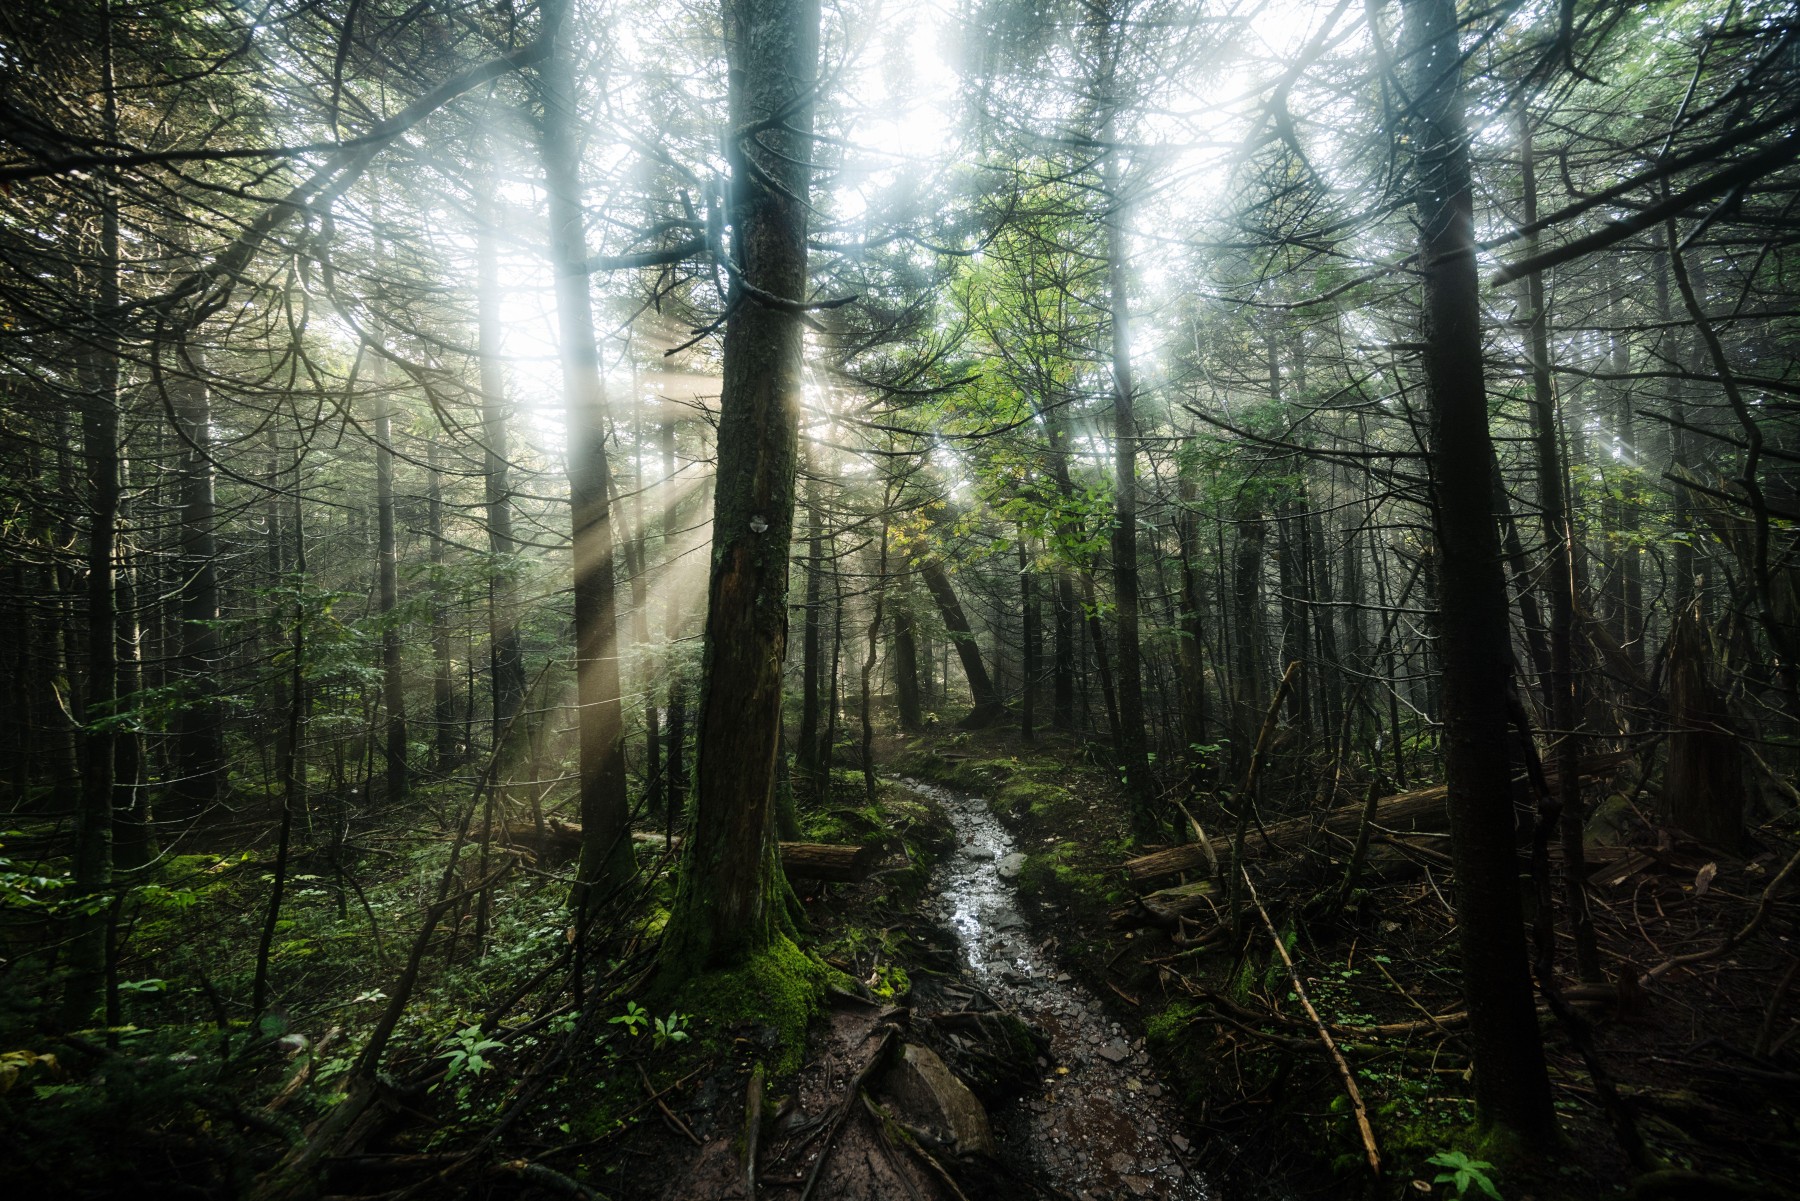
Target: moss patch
(778, 991)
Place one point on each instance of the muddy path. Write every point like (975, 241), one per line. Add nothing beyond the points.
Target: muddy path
(1102, 1125)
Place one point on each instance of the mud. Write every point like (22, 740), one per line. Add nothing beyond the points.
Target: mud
(1101, 1125)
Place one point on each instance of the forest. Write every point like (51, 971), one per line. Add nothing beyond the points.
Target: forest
(933, 600)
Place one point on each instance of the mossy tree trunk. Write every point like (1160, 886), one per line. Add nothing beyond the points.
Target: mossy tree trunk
(730, 903)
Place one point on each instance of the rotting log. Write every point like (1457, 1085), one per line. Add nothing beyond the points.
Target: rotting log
(1420, 811)
(833, 862)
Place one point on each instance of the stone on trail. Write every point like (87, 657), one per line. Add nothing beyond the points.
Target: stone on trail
(1010, 867)
(925, 1090)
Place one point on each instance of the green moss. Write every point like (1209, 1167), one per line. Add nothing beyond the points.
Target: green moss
(1168, 1028)
(780, 988)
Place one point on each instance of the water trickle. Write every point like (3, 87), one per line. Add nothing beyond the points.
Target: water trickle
(1102, 1124)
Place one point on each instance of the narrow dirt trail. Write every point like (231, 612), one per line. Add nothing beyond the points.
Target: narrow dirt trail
(1102, 1125)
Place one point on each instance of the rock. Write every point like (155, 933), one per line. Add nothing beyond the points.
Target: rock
(1115, 1051)
(928, 1093)
(1181, 1144)
(1010, 867)
(979, 853)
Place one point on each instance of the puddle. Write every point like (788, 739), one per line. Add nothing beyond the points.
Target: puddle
(1102, 1126)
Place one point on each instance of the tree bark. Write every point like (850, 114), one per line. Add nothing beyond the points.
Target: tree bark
(729, 904)
(506, 666)
(1130, 746)
(987, 708)
(811, 646)
(393, 695)
(443, 681)
(100, 448)
(1553, 507)
(906, 670)
(606, 859)
(1511, 1083)
(199, 732)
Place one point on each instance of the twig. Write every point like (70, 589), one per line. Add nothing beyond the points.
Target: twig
(666, 1111)
(1343, 1068)
(753, 1103)
(1766, 1036)
(837, 1120)
(1763, 905)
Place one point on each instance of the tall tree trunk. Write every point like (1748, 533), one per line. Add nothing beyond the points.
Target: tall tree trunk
(133, 841)
(443, 681)
(1249, 685)
(199, 731)
(675, 736)
(1190, 660)
(1559, 550)
(640, 610)
(906, 670)
(868, 666)
(730, 899)
(1512, 1088)
(1029, 637)
(393, 693)
(606, 859)
(1628, 579)
(1130, 746)
(1062, 710)
(99, 383)
(811, 647)
(987, 708)
(506, 660)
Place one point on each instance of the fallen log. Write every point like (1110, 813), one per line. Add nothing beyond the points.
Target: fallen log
(841, 863)
(1420, 811)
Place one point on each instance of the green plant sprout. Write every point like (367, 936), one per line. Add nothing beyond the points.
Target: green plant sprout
(468, 1052)
(633, 1019)
(668, 1030)
(1463, 1172)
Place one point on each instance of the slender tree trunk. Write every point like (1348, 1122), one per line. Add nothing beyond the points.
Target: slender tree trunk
(811, 647)
(675, 735)
(828, 731)
(393, 694)
(507, 664)
(640, 611)
(868, 666)
(1249, 684)
(606, 859)
(100, 448)
(906, 670)
(199, 745)
(133, 842)
(293, 766)
(1672, 352)
(1511, 1083)
(987, 708)
(1565, 704)
(1062, 713)
(443, 679)
(1130, 733)
(730, 901)
(1190, 661)
(1029, 637)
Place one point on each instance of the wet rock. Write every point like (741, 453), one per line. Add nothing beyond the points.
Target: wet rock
(1010, 867)
(925, 1090)
(1115, 1051)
